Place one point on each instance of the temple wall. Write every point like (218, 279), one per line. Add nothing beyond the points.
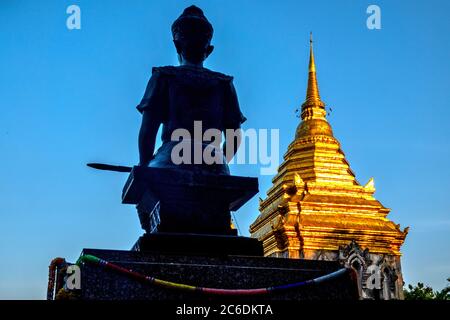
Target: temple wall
(379, 275)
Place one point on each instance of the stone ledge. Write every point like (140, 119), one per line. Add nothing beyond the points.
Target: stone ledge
(230, 272)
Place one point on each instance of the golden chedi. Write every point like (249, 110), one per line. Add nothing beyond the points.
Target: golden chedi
(316, 209)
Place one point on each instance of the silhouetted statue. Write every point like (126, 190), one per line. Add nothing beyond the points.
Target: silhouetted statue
(176, 190)
(176, 97)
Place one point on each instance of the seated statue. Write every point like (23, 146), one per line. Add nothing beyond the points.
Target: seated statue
(188, 95)
(195, 100)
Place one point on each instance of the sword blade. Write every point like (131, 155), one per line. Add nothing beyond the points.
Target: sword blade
(109, 167)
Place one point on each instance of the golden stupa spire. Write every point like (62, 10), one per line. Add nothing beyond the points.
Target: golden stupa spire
(312, 93)
(316, 206)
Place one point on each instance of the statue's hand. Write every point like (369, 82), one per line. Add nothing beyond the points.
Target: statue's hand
(142, 164)
(146, 162)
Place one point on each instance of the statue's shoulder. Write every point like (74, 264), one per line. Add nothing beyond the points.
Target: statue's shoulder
(185, 71)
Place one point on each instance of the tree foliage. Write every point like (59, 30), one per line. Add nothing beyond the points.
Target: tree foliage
(423, 292)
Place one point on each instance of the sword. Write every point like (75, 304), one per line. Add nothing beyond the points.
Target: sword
(109, 167)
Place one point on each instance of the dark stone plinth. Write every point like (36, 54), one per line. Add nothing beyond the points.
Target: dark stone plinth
(186, 201)
(198, 244)
(231, 272)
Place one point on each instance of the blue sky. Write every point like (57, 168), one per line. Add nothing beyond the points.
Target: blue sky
(68, 97)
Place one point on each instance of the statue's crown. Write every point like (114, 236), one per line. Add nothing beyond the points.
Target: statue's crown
(192, 22)
(193, 11)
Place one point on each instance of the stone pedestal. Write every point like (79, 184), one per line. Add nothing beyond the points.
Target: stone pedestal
(223, 271)
(186, 201)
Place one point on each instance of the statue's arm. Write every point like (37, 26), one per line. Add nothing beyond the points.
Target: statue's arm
(147, 138)
(232, 121)
(152, 108)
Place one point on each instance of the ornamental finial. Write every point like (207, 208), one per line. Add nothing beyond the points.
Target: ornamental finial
(312, 93)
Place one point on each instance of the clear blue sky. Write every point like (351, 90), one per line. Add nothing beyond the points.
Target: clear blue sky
(68, 97)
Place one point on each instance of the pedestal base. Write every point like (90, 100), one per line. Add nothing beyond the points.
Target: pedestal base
(229, 272)
(186, 201)
(198, 244)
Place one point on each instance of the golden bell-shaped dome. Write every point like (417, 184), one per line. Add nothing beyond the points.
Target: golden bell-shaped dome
(313, 127)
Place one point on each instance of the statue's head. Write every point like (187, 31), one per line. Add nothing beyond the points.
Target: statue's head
(192, 34)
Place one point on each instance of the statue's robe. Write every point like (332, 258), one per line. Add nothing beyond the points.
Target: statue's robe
(177, 97)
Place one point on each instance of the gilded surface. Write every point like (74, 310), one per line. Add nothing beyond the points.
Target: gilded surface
(315, 202)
